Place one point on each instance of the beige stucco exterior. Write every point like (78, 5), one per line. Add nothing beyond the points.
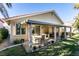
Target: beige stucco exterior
(46, 17)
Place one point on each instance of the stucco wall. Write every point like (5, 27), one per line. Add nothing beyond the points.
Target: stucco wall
(47, 17)
(13, 35)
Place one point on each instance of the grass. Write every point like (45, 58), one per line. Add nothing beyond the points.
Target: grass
(64, 48)
(67, 47)
(14, 51)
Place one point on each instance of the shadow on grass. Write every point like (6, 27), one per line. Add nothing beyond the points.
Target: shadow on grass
(61, 48)
(64, 48)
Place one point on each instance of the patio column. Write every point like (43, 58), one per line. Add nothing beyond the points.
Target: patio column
(30, 35)
(54, 33)
(59, 33)
(65, 33)
(70, 32)
(28, 44)
(11, 33)
(41, 30)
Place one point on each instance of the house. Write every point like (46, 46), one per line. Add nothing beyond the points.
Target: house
(70, 23)
(37, 28)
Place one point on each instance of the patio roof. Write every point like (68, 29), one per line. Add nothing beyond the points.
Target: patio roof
(45, 23)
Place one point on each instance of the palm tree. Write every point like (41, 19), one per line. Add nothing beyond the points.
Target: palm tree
(4, 12)
(3, 9)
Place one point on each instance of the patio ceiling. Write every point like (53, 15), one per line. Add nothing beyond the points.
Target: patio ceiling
(45, 23)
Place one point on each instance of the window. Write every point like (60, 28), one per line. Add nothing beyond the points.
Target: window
(23, 30)
(36, 30)
(18, 29)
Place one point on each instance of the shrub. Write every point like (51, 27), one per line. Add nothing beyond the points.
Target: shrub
(62, 35)
(3, 34)
(34, 48)
(73, 34)
(17, 41)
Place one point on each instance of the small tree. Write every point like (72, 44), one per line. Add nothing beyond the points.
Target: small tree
(3, 9)
(76, 5)
(3, 34)
(76, 23)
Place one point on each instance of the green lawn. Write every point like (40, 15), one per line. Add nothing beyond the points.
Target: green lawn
(64, 48)
(15, 51)
(67, 47)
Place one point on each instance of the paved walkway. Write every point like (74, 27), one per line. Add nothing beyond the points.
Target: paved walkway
(4, 44)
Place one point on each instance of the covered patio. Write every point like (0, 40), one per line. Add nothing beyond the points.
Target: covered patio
(42, 33)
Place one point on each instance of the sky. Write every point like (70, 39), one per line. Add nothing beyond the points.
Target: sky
(65, 11)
